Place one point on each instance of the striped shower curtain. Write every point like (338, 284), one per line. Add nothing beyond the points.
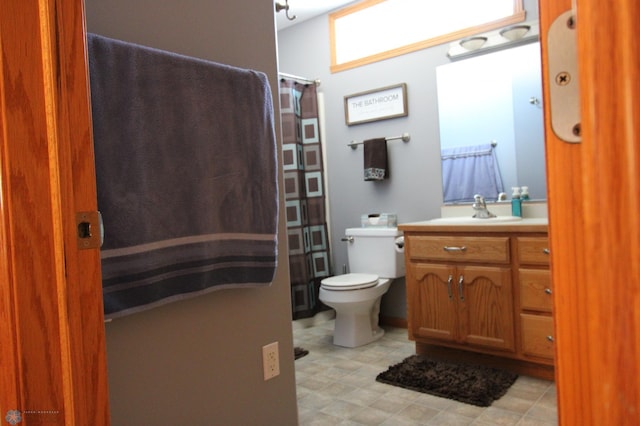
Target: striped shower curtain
(304, 196)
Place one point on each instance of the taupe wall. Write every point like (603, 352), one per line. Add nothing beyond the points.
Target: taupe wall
(198, 362)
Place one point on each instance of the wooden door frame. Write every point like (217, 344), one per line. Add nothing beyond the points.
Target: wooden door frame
(53, 354)
(594, 202)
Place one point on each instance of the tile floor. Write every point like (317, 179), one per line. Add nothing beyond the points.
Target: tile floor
(336, 386)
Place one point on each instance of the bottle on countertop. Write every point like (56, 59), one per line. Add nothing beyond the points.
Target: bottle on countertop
(516, 202)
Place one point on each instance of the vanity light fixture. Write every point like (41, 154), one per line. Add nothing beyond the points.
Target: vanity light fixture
(473, 43)
(511, 36)
(515, 32)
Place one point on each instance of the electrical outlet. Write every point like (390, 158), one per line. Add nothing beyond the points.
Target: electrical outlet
(270, 360)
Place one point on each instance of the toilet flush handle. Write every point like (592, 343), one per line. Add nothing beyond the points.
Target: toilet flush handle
(347, 239)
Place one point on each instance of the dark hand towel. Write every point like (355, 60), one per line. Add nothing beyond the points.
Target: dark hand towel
(375, 159)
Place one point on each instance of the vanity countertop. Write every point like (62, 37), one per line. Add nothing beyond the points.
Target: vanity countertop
(524, 225)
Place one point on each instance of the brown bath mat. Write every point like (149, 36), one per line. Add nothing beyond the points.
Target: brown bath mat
(471, 384)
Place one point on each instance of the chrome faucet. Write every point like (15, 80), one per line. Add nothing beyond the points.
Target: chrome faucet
(480, 206)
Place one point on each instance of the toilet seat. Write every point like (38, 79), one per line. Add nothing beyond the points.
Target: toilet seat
(350, 282)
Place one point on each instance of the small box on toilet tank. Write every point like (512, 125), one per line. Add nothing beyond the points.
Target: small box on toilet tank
(379, 220)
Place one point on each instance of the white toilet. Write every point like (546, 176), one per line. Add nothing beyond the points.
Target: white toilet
(374, 261)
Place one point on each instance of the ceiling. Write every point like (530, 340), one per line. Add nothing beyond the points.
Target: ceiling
(306, 9)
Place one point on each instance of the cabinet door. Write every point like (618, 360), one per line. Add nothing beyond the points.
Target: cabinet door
(432, 301)
(486, 307)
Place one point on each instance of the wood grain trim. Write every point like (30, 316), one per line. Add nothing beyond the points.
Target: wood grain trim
(33, 223)
(84, 319)
(594, 228)
(519, 15)
(610, 88)
(565, 234)
(53, 337)
(341, 13)
(10, 382)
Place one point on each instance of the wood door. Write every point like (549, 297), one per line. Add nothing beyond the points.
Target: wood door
(593, 219)
(434, 311)
(485, 300)
(52, 356)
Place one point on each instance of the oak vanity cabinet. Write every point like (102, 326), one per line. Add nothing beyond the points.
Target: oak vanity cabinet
(483, 291)
(455, 297)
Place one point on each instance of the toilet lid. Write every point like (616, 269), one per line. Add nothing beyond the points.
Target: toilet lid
(350, 282)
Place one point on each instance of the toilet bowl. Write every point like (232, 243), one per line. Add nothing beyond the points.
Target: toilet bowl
(356, 300)
(374, 261)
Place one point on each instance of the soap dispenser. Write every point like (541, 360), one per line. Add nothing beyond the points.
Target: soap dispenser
(515, 192)
(516, 202)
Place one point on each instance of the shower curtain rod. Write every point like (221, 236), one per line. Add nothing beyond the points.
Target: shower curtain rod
(295, 77)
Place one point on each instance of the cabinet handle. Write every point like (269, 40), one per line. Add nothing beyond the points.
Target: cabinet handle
(550, 338)
(546, 251)
(449, 282)
(460, 288)
(547, 290)
(447, 248)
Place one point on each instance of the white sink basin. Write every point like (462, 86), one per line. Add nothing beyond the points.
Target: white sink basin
(466, 220)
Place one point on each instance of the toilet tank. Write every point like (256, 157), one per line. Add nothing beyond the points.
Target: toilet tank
(374, 251)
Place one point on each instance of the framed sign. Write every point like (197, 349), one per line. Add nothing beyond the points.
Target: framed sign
(378, 104)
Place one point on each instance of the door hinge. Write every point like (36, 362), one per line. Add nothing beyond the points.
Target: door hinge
(564, 87)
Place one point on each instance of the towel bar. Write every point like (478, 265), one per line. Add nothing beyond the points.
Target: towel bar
(405, 138)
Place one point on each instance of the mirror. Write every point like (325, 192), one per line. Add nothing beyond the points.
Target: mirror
(496, 99)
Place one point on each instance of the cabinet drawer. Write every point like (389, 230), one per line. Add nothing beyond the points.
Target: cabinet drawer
(462, 249)
(537, 335)
(533, 250)
(535, 290)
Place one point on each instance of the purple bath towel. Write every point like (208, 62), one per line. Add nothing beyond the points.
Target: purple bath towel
(186, 175)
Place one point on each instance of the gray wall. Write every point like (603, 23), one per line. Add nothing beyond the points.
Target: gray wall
(414, 190)
(199, 361)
